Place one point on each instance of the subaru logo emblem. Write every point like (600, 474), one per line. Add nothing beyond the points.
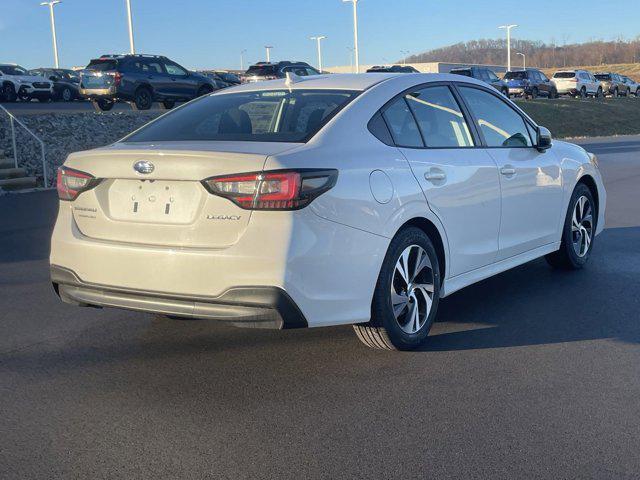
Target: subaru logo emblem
(143, 167)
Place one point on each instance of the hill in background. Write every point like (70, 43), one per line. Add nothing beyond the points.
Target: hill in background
(539, 54)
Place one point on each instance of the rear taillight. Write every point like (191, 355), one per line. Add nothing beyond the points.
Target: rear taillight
(273, 190)
(117, 78)
(72, 183)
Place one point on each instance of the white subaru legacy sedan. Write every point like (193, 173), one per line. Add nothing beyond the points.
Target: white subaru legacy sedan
(327, 200)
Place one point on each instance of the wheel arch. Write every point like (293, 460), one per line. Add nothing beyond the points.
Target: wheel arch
(591, 184)
(432, 231)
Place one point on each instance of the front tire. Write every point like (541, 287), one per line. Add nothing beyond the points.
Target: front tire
(10, 94)
(103, 104)
(578, 233)
(66, 95)
(405, 301)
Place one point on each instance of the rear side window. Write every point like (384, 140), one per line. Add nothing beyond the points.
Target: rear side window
(261, 70)
(466, 73)
(603, 76)
(102, 65)
(402, 124)
(500, 124)
(439, 118)
(264, 116)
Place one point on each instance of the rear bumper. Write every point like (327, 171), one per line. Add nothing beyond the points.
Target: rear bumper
(111, 93)
(258, 307)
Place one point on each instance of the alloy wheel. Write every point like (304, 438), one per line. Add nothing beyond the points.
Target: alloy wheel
(582, 226)
(412, 289)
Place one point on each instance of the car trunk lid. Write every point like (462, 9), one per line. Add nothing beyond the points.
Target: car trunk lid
(168, 206)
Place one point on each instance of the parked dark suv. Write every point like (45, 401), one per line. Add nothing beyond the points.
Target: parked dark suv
(486, 75)
(140, 79)
(530, 83)
(393, 69)
(271, 71)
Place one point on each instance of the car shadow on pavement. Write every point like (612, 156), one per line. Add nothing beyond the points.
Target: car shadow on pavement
(534, 304)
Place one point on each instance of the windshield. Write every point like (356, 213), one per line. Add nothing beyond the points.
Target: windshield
(603, 76)
(265, 116)
(564, 75)
(515, 75)
(102, 65)
(261, 70)
(13, 70)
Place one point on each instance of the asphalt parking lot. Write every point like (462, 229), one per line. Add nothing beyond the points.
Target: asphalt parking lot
(531, 374)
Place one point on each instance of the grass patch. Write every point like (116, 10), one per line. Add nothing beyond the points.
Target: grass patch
(569, 117)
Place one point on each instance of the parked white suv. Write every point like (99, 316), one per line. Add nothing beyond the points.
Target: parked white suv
(337, 199)
(577, 83)
(17, 82)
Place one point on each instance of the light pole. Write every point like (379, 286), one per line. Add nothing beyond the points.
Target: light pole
(318, 40)
(132, 47)
(404, 54)
(50, 4)
(268, 48)
(508, 29)
(524, 60)
(355, 32)
(350, 58)
(242, 52)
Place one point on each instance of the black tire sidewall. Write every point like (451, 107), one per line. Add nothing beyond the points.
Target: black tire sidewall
(140, 94)
(567, 240)
(381, 309)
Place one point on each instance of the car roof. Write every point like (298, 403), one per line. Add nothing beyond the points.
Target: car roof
(346, 81)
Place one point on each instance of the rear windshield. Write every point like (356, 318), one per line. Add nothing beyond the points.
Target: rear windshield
(515, 75)
(102, 65)
(564, 75)
(261, 70)
(229, 77)
(265, 116)
(465, 72)
(603, 76)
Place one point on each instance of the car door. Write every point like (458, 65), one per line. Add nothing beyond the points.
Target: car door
(180, 85)
(545, 83)
(459, 181)
(530, 180)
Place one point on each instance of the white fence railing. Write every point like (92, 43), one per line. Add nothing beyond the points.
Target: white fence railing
(12, 121)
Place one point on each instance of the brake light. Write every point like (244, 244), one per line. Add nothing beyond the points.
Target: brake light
(71, 183)
(117, 78)
(273, 190)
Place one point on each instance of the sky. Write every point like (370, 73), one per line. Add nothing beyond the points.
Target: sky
(212, 33)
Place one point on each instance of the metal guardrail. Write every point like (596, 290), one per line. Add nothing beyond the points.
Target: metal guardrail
(13, 120)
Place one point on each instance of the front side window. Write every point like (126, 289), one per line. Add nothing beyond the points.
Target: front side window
(264, 116)
(174, 69)
(439, 118)
(492, 76)
(13, 70)
(500, 124)
(402, 125)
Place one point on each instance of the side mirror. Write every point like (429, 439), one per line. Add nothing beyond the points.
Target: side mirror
(544, 139)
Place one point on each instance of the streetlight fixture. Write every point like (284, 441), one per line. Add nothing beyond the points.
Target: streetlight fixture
(318, 40)
(242, 52)
(268, 48)
(50, 4)
(508, 29)
(132, 47)
(524, 60)
(355, 32)
(404, 56)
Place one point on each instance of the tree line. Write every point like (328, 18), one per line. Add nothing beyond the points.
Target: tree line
(539, 54)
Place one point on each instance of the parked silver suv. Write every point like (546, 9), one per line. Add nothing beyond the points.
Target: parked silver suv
(612, 84)
(577, 83)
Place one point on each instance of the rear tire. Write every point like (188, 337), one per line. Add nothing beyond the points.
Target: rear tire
(10, 94)
(615, 93)
(168, 104)
(66, 95)
(143, 98)
(103, 104)
(404, 304)
(578, 233)
(534, 94)
(583, 92)
(599, 93)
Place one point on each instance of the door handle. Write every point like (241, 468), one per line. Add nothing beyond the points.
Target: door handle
(435, 175)
(508, 171)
